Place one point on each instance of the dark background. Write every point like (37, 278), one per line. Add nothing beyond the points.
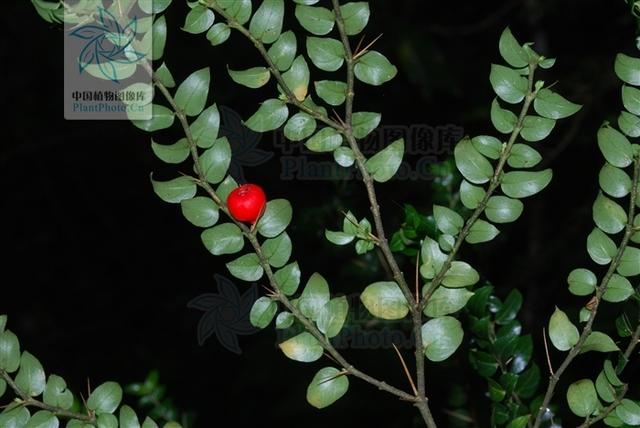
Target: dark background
(97, 271)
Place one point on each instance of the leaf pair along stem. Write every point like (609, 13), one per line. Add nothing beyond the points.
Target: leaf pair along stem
(23, 399)
(586, 331)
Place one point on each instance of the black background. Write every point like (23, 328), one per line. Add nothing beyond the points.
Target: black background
(97, 271)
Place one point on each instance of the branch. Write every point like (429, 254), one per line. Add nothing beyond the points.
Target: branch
(291, 98)
(496, 180)
(250, 235)
(573, 353)
(607, 410)
(27, 401)
(416, 311)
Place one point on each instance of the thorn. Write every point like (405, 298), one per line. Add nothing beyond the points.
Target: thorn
(366, 48)
(406, 370)
(343, 372)
(546, 350)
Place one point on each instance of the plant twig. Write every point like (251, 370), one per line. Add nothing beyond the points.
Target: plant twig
(495, 182)
(607, 410)
(26, 400)
(406, 369)
(586, 331)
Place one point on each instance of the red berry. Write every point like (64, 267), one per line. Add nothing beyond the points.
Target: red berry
(246, 203)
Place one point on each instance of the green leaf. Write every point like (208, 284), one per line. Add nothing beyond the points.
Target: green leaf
(173, 153)
(226, 187)
(164, 76)
(604, 389)
(471, 164)
(314, 296)
(630, 262)
(333, 316)
(162, 118)
(288, 278)
(503, 120)
(447, 220)
(225, 238)
(631, 99)
(198, 20)
(619, 289)
(615, 147)
(582, 282)
(441, 337)
(200, 211)
(300, 126)
(485, 364)
(3, 387)
(383, 165)
(246, 268)
(276, 218)
(554, 106)
(30, 378)
(3, 323)
(488, 146)
(105, 398)
(277, 250)
(481, 231)
(176, 190)
(338, 238)
(159, 34)
(56, 393)
(614, 181)
(536, 128)
(218, 34)
(460, 274)
(303, 347)
(608, 215)
(332, 92)
(563, 334)
(344, 156)
(445, 301)
(519, 422)
(262, 312)
(510, 308)
(523, 156)
(214, 162)
(611, 374)
(128, 418)
(326, 54)
(266, 24)
(325, 140)
(512, 51)
(284, 320)
(471, 195)
(432, 258)
(629, 412)
(600, 342)
(283, 51)
(297, 78)
(496, 391)
(149, 423)
(508, 84)
(374, 69)
(17, 417)
(356, 16)
(327, 387)
(582, 398)
(43, 419)
(363, 247)
(628, 69)
(9, 352)
(253, 78)
(520, 184)
(364, 123)
(600, 247)
(191, 95)
(270, 116)
(501, 209)
(204, 129)
(238, 9)
(629, 124)
(316, 20)
(385, 300)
